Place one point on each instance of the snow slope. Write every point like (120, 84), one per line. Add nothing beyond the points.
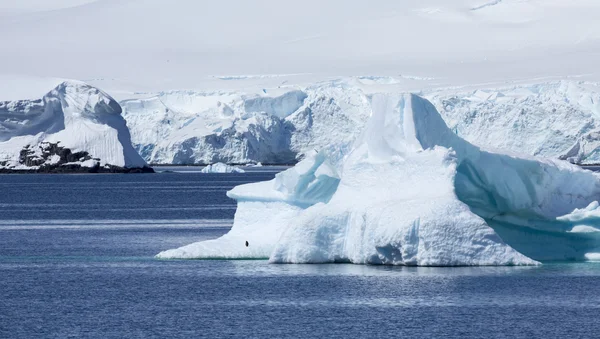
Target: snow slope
(411, 192)
(73, 125)
(150, 45)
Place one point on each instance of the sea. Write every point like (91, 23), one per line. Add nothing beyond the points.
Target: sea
(77, 261)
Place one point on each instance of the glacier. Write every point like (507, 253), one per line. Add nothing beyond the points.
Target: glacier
(276, 127)
(558, 119)
(411, 192)
(74, 127)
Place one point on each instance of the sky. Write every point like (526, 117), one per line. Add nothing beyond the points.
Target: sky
(152, 45)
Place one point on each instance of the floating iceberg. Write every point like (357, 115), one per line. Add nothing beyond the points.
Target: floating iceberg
(74, 127)
(221, 168)
(411, 192)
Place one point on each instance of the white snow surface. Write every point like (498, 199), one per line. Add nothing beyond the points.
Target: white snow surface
(221, 168)
(186, 127)
(75, 115)
(205, 45)
(411, 192)
(555, 119)
(559, 119)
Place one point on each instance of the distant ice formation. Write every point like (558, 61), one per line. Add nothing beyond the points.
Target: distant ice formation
(412, 192)
(221, 168)
(75, 127)
(557, 119)
(186, 127)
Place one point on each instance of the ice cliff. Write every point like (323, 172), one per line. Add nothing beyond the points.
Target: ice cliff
(279, 126)
(557, 119)
(412, 192)
(74, 127)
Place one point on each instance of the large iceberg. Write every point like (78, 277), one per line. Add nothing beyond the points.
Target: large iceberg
(412, 192)
(74, 127)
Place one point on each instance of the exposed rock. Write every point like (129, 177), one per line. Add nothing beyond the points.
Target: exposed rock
(48, 157)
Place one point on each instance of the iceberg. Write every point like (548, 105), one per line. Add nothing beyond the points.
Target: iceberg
(221, 168)
(412, 192)
(74, 127)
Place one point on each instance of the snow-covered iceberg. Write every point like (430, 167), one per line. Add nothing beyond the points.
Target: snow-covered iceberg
(74, 127)
(221, 168)
(411, 192)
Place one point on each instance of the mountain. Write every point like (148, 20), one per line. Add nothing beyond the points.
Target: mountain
(74, 127)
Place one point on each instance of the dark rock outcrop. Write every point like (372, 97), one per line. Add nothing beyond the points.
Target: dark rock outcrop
(49, 157)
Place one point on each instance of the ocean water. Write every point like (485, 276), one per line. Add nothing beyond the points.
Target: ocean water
(76, 261)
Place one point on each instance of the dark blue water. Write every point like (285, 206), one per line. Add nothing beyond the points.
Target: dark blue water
(76, 261)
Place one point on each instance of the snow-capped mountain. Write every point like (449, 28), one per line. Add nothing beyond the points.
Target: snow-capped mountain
(74, 127)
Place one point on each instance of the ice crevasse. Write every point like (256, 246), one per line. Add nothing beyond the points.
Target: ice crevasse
(411, 192)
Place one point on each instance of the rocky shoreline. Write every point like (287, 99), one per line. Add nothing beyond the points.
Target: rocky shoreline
(76, 169)
(52, 158)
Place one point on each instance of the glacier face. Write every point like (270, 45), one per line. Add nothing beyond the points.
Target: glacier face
(411, 192)
(187, 127)
(555, 119)
(74, 125)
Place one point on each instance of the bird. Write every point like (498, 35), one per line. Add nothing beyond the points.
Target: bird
(246, 243)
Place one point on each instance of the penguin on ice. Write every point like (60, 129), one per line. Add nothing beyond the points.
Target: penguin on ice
(247, 243)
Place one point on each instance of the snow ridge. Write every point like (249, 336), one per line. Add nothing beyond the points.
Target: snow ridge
(555, 119)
